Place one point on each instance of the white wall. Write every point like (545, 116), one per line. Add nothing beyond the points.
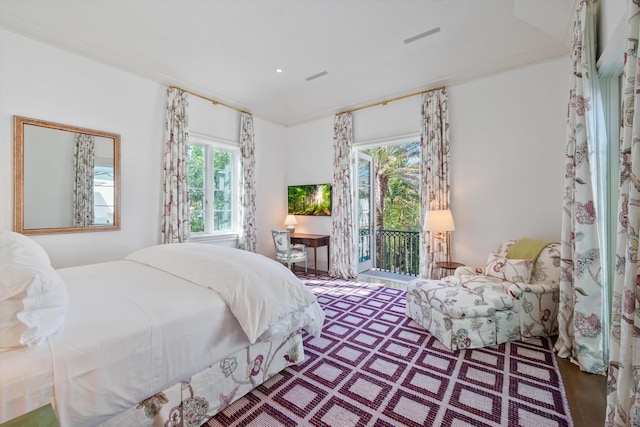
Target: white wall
(507, 155)
(398, 118)
(46, 83)
(507, 159)
(309, 161)
(212, 120)
(271, 183)
(612, 14)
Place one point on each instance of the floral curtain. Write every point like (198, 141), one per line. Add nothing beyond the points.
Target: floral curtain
(623, 398)
(247, 239)
(343, 244)
(175, 216)
(580, 316)
(83, 164)
(434, 175)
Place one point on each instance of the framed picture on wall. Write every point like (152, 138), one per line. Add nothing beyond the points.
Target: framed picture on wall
(312, 199)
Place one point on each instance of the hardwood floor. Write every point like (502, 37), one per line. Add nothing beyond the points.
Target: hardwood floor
(586, 393)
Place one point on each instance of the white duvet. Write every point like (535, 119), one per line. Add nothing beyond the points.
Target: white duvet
(134, 327)
(265, 297)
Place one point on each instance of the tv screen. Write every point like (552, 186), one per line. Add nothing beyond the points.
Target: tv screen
(310, 199)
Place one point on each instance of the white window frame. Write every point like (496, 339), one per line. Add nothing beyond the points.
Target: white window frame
(110, 202)
(210, 144)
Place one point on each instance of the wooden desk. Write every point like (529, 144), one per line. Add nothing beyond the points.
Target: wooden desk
(448, 267)
(313, 241)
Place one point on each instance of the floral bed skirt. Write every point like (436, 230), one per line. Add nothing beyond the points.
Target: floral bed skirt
(201, 396)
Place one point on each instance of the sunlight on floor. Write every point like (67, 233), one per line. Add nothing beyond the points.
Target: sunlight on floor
(391, 280)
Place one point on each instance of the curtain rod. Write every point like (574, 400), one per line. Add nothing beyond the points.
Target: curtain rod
(391, 100)
(213, 101)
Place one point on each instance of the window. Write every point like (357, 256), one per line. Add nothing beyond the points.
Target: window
(103, 193)
(612, 85)
(213, 187)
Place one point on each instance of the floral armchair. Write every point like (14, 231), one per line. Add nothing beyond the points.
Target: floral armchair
(507, 300)
(535, 287)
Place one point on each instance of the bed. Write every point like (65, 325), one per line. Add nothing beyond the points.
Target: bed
(171, 334)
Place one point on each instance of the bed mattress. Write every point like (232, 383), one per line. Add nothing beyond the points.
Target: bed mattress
(137, 327)
(118, 313)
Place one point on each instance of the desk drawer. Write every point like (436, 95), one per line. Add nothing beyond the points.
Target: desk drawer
(311, 242)
(306, 242)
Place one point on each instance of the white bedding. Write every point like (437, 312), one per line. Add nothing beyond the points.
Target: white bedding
(266, 298)
(26, 378)
(133, 330)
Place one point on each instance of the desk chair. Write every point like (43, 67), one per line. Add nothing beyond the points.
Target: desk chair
(287, 253)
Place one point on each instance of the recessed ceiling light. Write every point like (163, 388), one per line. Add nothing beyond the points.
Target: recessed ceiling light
(279, 70)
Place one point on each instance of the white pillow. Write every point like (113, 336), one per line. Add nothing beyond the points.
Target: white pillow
(512, 270)
(33, 304)
(16, 248)
(33, 298)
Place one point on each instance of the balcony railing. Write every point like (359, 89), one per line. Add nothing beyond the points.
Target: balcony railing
(398, 251)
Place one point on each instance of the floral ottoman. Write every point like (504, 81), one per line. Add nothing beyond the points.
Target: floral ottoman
(477, 315)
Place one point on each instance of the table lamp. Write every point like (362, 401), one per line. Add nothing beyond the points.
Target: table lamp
(440, 221)
(291, 222)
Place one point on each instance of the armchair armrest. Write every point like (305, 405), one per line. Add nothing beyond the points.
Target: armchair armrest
(535, 288)
(518, 289)
(297, 247)
(538, 308)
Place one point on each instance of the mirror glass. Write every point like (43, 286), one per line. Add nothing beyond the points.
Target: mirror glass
(67, 178)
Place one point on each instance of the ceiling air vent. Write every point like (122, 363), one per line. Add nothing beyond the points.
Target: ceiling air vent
(315, 76)
(422, 35)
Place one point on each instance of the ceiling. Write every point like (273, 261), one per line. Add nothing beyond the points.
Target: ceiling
(228, 50)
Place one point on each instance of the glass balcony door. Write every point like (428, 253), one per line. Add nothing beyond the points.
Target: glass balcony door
(364, 211)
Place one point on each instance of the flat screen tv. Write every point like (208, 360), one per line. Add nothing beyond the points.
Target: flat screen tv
(310, 199)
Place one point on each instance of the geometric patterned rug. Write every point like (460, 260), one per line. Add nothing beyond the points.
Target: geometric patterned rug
(373, 366)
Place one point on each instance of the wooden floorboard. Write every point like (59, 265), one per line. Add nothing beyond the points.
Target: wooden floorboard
(586, 394)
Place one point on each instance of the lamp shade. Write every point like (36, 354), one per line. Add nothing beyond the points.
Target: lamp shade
(440, 220)
(290, 220)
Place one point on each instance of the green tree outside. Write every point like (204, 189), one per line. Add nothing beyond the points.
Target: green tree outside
(397, 183)
(195, 173)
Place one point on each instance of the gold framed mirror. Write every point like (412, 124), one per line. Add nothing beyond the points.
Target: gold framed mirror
(66, 178)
